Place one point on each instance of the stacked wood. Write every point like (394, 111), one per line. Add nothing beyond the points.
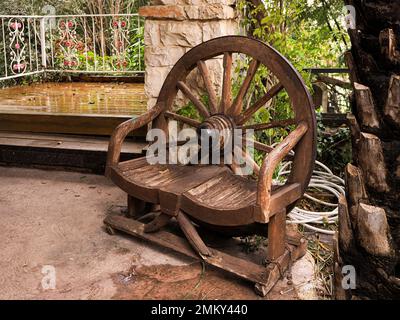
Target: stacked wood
(369, 226)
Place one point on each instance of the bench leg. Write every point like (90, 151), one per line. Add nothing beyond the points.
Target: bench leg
(278, 258)
(136, 207)
(276, 236)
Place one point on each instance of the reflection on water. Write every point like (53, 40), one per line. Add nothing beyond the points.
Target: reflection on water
(75, 98)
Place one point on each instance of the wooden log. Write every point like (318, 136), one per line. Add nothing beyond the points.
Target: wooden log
(366, 107)
(372, 162)
(355, 191)
(392, 106)
(388, 44)
(346, 237)
(352, 66)
(355, 187)
(373, 233)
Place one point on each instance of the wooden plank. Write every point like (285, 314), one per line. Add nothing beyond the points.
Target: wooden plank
(66, 142)
(239, 267)
(73, 124)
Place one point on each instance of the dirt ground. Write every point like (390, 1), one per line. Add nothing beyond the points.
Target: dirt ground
(52, 220)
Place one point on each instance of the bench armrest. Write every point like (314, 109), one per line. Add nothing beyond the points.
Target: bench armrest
(122, 130)
(269, 165)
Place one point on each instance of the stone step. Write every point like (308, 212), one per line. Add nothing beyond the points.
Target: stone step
(60, 151)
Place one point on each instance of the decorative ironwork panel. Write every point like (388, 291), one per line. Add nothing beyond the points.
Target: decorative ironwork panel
(68, 43)
(16, 28)
(120, 43)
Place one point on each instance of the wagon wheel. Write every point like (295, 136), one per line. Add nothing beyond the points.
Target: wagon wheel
(230, 112)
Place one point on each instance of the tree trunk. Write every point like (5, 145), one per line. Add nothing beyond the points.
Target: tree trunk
(370, 237)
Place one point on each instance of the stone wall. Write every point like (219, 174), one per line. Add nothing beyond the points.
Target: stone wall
(172, 27)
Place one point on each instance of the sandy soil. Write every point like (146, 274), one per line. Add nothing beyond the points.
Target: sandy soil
(54, 218)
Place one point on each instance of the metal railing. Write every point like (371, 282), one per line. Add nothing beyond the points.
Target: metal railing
(104, 43)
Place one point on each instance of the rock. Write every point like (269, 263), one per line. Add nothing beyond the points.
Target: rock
(163, 12)
(184, 34)
(154, 79)
(163, 56)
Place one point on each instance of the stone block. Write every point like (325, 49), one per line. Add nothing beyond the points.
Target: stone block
(163, 56)
(163, 12)
(214, 29)
(183, 34)
(154, 79)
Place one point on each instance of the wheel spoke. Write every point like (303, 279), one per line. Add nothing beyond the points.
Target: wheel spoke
(178, 117)
(260, 103)
(269, 125)
(265, 148)
(210, 90)
(227, 86)
(237, 104)
(236, 166)
(198, 104)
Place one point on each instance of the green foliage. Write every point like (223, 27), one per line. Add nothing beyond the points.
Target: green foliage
(333, 147)
(309, 35)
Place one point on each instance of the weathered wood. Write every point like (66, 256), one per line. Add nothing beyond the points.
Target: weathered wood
(226, 98)
(192, 235)
(212, 96)
(388, 44)
(270, 163)
(157, 223)
(392, 105)
(373, 231)
(247, 114)
(136, 207)
(372, 162)
(120, 133)
(189, 121)
(247, 158)
(264, 278)
(238, 102)
(348, 57)
(374, 61)
(269, 125)
(196, 101)
(212, 196)
(366, 107)
(265, 148)
(276, 235)
(355, 191)
(346, 236)
(334, 81)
